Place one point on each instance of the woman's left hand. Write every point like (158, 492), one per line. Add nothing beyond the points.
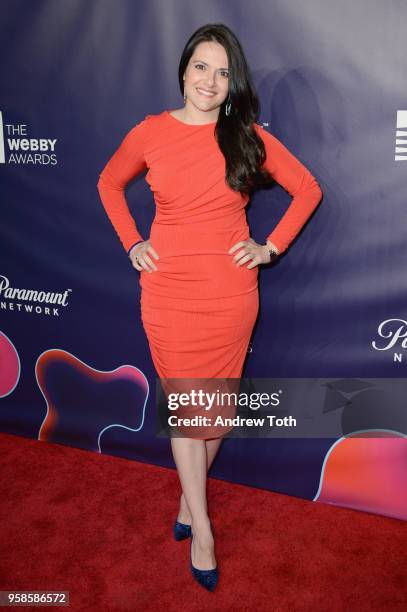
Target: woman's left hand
(251, 251)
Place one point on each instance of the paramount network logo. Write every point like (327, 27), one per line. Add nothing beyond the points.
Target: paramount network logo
(33, 301)
(21, 149)
(394, 335)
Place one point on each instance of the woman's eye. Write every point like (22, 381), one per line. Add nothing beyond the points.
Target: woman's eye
(223, 72)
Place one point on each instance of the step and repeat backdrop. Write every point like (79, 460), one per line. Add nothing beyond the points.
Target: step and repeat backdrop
(75, 365)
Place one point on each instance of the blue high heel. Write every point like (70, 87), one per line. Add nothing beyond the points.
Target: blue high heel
(206, 578)
(181, 531)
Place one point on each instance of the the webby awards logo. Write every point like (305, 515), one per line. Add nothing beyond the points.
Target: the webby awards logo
(401, 136)
(19, 147)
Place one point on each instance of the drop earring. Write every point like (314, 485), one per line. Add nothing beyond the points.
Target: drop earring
(185, 97)
(228, 106)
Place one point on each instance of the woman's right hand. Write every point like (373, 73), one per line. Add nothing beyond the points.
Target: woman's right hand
(139, 256)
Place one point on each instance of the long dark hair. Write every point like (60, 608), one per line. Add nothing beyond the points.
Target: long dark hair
(236, 136)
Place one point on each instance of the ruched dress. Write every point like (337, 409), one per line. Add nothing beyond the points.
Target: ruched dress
(198, 308)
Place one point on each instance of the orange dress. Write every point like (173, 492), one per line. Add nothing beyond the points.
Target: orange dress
(199, 308)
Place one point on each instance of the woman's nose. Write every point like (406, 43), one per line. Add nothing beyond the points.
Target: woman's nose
(210, 78)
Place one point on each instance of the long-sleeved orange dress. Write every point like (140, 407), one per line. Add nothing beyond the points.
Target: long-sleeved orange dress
(199, 308)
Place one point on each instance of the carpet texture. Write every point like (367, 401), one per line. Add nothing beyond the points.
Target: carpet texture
(100, 527)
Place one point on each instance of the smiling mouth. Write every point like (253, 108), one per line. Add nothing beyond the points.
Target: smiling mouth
(207, 94)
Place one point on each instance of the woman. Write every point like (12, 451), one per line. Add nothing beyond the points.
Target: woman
(199, 267)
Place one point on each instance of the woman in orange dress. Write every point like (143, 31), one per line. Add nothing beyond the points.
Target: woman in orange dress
(199, 266)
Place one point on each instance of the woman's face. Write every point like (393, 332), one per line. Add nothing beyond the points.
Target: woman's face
(206, 82)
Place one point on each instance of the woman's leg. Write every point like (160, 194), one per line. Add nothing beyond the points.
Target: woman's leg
(191, 460)
(212, 447)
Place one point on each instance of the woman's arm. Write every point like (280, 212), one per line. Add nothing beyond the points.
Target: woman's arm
(297, 180)
(127, 161)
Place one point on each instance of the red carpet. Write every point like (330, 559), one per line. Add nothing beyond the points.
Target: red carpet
(100, 527)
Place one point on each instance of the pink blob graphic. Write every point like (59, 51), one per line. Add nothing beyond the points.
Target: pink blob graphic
(82, 402)
(367, 473)
(10, 367)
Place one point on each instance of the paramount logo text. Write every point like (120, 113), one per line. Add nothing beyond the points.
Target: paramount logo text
(394, 331)
(15, 298)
